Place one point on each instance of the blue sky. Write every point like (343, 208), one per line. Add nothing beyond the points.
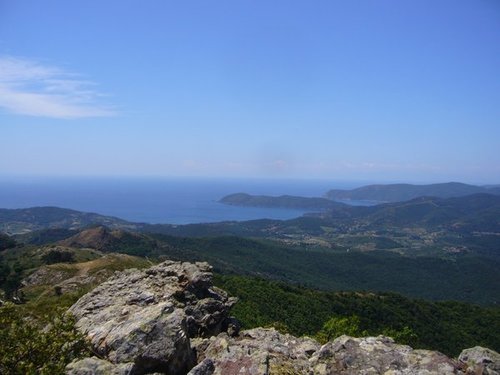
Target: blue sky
(342, 90)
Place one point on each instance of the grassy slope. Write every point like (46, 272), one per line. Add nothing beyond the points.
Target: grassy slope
(42, 298)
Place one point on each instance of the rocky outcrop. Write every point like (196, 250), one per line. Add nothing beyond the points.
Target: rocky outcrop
(266, 351)
(260, 351)
(97, 366)
(481, 360)
(170, 319)
(144, 320)
(379, 355)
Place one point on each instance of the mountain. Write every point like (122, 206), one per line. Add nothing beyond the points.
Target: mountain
(305, 251)
(45, 236)
(479, 212)
(111, 240)
(283, 201)
(405, 192)
(25, 220)
(423, 226)
(352, 261)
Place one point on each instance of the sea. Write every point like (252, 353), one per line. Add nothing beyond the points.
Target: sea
(160, 200)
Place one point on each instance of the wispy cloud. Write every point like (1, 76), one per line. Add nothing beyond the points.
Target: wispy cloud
(30, 88)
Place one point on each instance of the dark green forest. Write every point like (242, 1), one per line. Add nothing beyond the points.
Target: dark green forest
(448, 327)
(464, 278)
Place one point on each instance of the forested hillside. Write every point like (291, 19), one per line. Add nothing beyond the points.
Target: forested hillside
(443, 326)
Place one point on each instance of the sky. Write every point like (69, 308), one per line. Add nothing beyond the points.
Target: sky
(384, 90)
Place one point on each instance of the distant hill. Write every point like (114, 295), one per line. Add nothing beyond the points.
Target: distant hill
(479, 212)
(473, 212)
(111, 240)
(405, 192)
(25, 220)
(283, 201)
(46, 236)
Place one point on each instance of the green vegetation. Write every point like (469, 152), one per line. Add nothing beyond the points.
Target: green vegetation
(445, 326)
(17, 263)
(10, 279)
(111, 240)
(46, 236)
(58, 256)
(25, 220)
(463, 278)
(6, 242)
(283, 201)
(339, 325)
(29, 348)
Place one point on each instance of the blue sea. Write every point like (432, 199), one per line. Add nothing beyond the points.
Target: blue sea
(159, 200)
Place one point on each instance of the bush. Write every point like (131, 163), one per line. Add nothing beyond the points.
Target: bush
(58, 256)
(28, 349)
(340, 325)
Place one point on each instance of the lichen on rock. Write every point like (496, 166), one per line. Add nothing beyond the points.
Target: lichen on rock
(146, 318)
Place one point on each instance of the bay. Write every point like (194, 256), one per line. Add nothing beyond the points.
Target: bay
(159, 200)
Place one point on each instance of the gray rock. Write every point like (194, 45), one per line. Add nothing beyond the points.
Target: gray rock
(205, 367)
(378, 355)
(147, 317)
(96, 366)
(266, 351)
(481, 360)
(260, 351)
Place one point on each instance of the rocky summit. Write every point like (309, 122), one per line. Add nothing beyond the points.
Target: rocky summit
(170, 319)
(142, 321)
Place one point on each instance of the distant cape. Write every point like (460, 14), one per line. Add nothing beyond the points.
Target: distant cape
(283, 201)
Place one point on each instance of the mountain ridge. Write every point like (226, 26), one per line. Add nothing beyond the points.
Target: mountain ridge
(405, 192)
(23, 220)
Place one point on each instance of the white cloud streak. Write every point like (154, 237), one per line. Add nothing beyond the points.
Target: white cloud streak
(30, 88)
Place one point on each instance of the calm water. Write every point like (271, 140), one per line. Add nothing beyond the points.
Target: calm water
(175, 201)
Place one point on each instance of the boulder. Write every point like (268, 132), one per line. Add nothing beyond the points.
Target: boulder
(260, 351)
(145, 319)
(205, 367)
(379, 355)
(97, 366)
(481, 360)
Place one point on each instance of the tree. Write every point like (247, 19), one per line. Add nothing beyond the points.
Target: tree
(340, 325)
(403, 336)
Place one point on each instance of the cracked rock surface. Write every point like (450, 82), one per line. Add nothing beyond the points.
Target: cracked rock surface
(145, 319)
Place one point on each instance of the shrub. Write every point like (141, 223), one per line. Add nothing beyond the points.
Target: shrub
(28, 349)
